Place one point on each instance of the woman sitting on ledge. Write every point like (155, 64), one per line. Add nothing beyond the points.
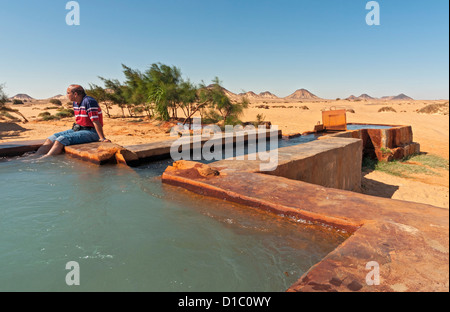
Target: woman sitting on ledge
(88, 126)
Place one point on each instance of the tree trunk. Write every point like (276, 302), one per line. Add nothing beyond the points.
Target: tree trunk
(199, 106)
(107, 111)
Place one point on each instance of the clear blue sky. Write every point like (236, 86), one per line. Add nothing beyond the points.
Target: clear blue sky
(324, 46)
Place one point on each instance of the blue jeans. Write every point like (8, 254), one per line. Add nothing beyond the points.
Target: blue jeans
(70, 137)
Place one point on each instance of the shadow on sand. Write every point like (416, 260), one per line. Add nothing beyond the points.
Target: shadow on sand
(376, 188)
(10, 130)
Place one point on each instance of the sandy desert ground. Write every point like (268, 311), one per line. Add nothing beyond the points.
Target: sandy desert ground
(291, 116)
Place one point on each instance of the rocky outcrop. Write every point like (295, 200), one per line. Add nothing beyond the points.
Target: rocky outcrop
(193, 169)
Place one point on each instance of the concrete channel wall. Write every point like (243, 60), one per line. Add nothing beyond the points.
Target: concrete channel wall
(334, 163)
(384, 144)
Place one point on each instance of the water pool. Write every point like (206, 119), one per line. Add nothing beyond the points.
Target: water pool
(129, 232)
(255, 147)
(361, 126)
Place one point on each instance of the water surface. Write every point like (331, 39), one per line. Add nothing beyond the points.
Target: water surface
(129, 232)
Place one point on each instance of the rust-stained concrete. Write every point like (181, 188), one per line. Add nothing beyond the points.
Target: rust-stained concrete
(335, 162)
(17, 148)
(103, 153)
(409, 241)
(383, 144)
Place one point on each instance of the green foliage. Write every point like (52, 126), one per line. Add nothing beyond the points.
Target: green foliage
(64, 113)
(163, 83)
(3, 97)
(161, 91)
(158, 95)
(385, 150)
(387, 109)
(233, 121)
(431, 161)
(117, 93)
(46, 116)
(188, 97)
(101, 95)
(17, 101)
(138, 109)
(218, 100)
(43, 114)
(51, 117)
(415, 164)
(259, 120)
(6, 114)
(56, 102)
(211, 117)
(6, 110)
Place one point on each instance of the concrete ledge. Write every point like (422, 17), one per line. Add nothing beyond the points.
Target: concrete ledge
(335, 162)
(409, 241)
(17, 148)
(103, 153)
(383, 144)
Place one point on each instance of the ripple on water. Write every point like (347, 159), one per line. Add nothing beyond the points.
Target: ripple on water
(128, 232)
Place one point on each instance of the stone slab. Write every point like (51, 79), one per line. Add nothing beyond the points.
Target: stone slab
(101, 153)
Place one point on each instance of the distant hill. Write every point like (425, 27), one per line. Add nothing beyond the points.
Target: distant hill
(267, 95)
(227, 92)
(21, 96)
(249, 95)
(365, 97)
(59, 97)
(263, 95)
(400, 97)
(301, 94)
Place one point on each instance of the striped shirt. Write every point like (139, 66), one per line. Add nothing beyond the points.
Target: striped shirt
(87, 112)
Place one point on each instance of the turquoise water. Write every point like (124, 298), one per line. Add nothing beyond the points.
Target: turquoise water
(358, 127)
(268, 146)
(130, 232)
